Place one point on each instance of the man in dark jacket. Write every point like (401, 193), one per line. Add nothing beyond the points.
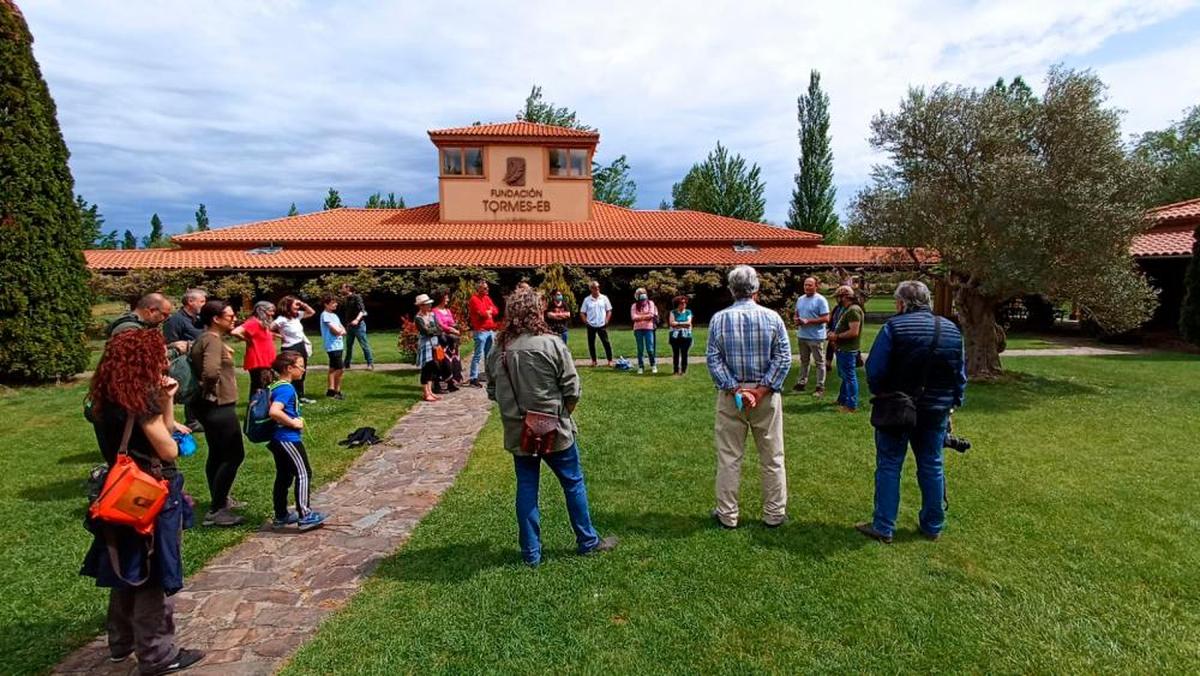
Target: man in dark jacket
(354, 319)
(185, 325)
(901, 361)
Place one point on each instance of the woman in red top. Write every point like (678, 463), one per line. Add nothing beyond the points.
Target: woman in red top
(259, 333)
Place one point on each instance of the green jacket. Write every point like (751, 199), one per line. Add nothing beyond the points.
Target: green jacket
(543, 380)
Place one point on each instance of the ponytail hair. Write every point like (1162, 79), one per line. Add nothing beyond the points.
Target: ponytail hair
(283, 360)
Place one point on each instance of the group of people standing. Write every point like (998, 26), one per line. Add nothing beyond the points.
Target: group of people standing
(748, 354)
(132, 399)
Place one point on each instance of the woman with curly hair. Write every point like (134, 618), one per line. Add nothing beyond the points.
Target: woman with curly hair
(132, 395)
(534, 371)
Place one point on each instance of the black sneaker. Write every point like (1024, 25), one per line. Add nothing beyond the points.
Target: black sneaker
(606, 545)
(338, 395)
(451, 387)
(117, 659)
(474, 383)
(869, 531)
(183, 660)
(799, 387)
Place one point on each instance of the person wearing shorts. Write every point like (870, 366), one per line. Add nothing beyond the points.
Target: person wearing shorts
(333, 336)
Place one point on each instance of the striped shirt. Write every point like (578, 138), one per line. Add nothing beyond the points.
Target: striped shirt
(748, 343)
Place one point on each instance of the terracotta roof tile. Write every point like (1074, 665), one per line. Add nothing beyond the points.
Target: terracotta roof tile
(421, 225)
(498, 256)
(1164, 240)
(516, 129)
(1186, 210)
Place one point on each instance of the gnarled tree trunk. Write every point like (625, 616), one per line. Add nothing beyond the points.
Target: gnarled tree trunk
(984, 338)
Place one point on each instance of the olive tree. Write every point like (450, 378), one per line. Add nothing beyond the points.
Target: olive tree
(1017, 194)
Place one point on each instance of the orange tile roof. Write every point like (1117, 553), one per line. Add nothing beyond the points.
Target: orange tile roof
(421, 225)
(502, 256)
(517, 129)
(1185, 210)
(1165, 240)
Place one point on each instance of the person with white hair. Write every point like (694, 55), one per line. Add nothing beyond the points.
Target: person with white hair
(916, 360)
(259, 333)
(748, 358)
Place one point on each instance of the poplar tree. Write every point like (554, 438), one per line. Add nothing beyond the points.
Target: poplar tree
(44, 300)
(201, 219)
(612, 184)
(722, 184)
(813, 198)
(293, 211)
(129, 241)
(155, 238)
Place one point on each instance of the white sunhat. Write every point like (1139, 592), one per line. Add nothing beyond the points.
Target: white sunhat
(423, 299)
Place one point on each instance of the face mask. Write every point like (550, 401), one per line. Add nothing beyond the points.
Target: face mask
(641, 297)
(558, 296)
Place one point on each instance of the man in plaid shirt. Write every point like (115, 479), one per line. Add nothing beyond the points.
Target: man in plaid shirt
(748, 358)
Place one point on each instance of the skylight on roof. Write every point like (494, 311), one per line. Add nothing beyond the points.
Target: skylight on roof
(742, 247)
(265, 250)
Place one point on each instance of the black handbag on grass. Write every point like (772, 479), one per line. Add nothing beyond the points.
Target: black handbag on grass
(897, 411)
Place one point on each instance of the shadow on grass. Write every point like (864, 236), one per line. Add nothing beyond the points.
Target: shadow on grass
(809, 539)
(451, 563)
(84, 457)
(1017, 390)
(63, 489)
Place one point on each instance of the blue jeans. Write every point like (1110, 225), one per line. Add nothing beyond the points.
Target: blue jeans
(564, 335)
(358, 333)
(645, 343)
(847, 365)
(890, 449)
(483, 345)
(565, 465)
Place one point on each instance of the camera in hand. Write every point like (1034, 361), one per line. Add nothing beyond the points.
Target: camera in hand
(960, 444)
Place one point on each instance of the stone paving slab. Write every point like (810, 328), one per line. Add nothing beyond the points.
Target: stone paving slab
(253, 605)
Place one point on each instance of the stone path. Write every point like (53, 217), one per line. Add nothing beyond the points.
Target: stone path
(255, 604)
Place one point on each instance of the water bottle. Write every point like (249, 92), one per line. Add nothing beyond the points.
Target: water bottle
(186, 443)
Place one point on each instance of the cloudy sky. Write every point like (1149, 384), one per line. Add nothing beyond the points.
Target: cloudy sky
(249, 105)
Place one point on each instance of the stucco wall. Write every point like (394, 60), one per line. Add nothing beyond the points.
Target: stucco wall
(489, 198)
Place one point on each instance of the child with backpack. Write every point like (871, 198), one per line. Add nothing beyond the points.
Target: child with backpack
(286, 444)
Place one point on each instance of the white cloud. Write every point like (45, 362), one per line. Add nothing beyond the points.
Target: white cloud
(248, 106)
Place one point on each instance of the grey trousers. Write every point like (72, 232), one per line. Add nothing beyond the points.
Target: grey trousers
(142, 619)
(812, 351)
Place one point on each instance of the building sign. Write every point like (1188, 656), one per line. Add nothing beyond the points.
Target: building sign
(513, 200)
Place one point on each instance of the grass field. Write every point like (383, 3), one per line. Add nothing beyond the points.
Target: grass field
(47, 448)
(1071, 544)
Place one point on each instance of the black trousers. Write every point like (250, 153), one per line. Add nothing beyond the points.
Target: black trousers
(225, 449)
(291, 469)
(603, 333)
(298, 384)
(679, 353)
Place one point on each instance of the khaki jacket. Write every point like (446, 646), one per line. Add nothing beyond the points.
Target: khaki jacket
(212, 360)
(543, 380)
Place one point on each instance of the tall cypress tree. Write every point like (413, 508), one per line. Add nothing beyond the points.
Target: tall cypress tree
(155, 238)
(333, 200)
(293, 211)
(202, 219)
(44, 301)
(813, 197)
(1189, 316)
(129, 241)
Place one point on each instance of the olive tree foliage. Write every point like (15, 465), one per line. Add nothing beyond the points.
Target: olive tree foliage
(722, 184)
(1174, 155)
(1017, 194)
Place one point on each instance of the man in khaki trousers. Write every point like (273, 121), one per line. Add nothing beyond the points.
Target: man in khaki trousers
(748, 358)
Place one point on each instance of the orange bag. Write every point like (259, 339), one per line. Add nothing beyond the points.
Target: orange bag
(130, 496)
(439, 353)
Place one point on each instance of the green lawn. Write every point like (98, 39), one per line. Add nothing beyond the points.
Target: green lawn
(46, 608)
(1072, 544)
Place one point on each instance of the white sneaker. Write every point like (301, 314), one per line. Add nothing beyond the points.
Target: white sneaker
(654, 369)
(641, 370)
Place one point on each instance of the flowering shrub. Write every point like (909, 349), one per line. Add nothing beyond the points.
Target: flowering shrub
(406, 344)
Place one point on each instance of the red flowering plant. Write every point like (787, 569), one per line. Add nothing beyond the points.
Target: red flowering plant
(406, 343)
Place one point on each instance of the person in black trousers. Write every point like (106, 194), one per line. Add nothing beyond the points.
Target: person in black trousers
(212, 361)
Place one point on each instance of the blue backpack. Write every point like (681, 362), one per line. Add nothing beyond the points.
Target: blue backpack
(258, 426)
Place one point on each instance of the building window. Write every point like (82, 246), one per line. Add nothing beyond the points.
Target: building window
(473, 161)
(462, 161)
(569, 162)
